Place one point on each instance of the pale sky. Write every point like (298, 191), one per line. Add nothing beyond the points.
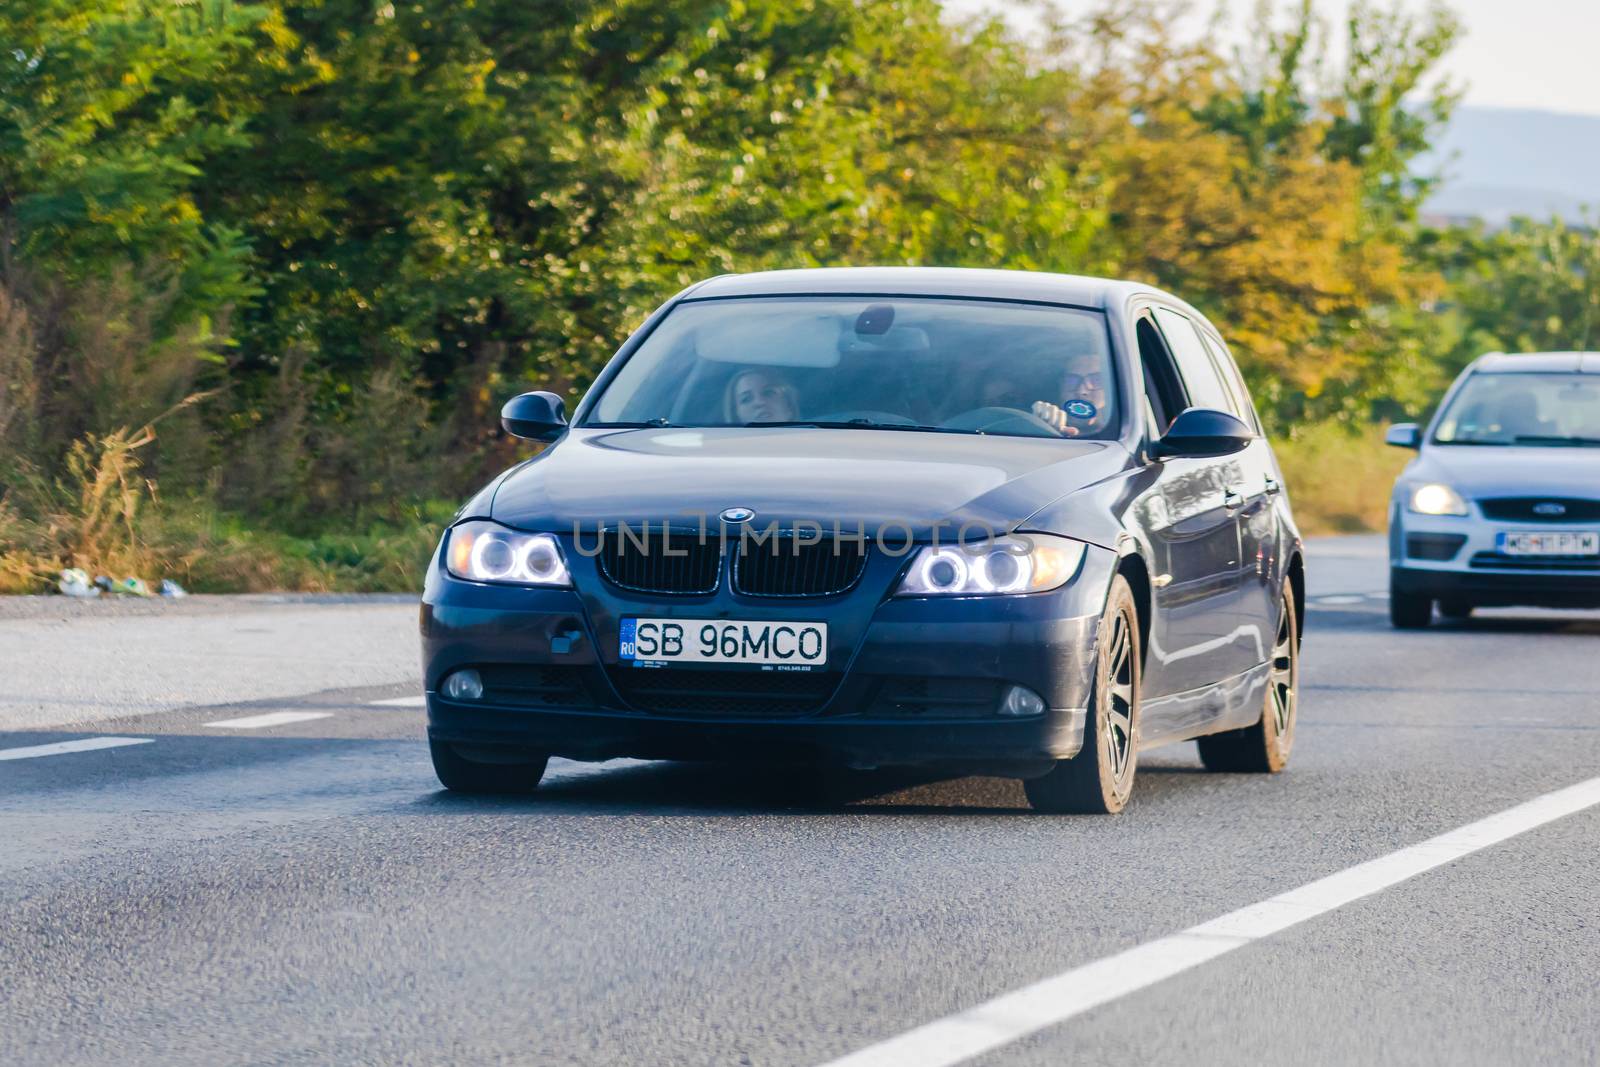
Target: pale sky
(1515, 53)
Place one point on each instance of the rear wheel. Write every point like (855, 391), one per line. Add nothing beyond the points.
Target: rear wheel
(1408, 611)
(492, 772)
(1099, 779)
(1264, 747)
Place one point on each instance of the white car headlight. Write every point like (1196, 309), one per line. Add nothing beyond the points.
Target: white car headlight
(1030, 563)
(482, 551)
(1436, 498)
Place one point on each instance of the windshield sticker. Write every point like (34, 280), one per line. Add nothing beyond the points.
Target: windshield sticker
(1080, 409)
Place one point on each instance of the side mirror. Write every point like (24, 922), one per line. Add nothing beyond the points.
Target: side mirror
(1404, 435)
(1201, 432)
(536, 416)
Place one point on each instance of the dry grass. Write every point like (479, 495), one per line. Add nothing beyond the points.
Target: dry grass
(1339, 479)
(104, 516)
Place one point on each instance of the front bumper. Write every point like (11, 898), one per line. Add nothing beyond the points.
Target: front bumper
(1045, 642)
(1475, 572)
(1483, 588)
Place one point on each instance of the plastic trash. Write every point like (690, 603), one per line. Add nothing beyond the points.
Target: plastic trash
(133, 587)
(104, 584)
(74, 582)
(171, 588)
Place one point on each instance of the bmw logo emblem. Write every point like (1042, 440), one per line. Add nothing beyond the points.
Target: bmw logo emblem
(737, 515)
(1538, 509)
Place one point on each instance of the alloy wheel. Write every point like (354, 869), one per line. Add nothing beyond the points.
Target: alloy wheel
(1116, 720)
(1284, 679)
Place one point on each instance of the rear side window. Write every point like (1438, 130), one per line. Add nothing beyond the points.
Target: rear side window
(1200, 375)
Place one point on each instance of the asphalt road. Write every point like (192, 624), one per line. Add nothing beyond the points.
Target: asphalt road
(304, 893)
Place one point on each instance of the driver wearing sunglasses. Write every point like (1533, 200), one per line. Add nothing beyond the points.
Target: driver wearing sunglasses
(1083, 407)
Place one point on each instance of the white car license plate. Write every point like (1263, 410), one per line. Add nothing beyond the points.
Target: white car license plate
(1550, 544)
(711, 641)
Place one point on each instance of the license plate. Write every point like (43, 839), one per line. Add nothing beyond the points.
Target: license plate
(784, 645)
(1564, 543)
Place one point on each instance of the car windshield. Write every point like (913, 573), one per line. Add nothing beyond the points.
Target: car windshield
(879, 363)
(1524, 409)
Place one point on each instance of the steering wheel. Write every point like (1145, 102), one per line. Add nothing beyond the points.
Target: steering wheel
(1001, 420)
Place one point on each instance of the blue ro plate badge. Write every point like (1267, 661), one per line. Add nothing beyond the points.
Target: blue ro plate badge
(780, 646)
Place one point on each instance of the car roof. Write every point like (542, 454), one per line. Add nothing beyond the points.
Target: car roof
(1076, 290)
(1538, 363)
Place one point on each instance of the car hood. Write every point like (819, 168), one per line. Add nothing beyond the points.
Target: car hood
(867, 479)
(1477, 472)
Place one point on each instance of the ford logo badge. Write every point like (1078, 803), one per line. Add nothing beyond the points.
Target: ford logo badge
(737, 515)
(1550, 509)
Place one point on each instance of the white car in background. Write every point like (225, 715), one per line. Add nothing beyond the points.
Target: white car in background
(1502, 505)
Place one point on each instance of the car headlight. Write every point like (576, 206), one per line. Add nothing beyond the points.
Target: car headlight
(1436, 498)
(488, 552)
(998, 565)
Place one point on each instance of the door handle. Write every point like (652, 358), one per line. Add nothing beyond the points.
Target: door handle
(1232, 499)
(1273, 488)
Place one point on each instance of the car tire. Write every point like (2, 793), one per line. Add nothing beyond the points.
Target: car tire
(1455, 609)
(459, 774)
(1264, 747)
(1099, 779)
(1408, 611)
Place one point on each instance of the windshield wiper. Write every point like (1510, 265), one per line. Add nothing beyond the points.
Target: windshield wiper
(858, 424)
(1471, 441)
(1556, 439)
(647, 424)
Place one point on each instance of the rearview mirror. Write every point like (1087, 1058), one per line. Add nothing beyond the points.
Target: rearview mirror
(536, 416)
(1404, 435)
(1201, 432)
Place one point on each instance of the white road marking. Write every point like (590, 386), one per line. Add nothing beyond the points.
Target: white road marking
(1339, 599)
(401, 702)
(1017, 1014)
(276, 718)
(61, 748)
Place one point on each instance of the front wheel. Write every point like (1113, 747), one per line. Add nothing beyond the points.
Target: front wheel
(1408, 611)
(497, 773)
(1099, 779)
(1264, 747)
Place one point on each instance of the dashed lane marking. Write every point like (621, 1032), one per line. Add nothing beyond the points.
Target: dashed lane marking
(62, 748)
(1032, 1008)
(401, 702)
(276, 718)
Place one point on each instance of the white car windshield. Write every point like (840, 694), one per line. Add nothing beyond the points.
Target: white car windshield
(895, 363)
(1524, 409)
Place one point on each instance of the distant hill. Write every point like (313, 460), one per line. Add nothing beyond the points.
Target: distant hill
(1499, 163)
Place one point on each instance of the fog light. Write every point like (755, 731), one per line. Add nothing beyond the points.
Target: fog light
(464, 685)
(1021, 701)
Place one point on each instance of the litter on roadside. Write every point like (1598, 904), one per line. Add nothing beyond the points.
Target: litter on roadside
(75, 582)
(123, 586)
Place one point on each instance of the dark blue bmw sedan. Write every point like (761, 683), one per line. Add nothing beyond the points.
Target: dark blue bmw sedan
(987, 521)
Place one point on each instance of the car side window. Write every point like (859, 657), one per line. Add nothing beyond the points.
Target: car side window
(1163, 388)
(1200, 375)
(1235, 381)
